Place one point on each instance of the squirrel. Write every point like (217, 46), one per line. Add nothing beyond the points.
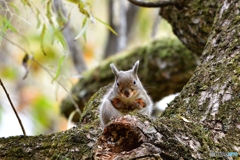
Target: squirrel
(127, 94)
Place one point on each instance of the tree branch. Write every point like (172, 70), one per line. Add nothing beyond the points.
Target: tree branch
(15, 44)
(161, 3)
(19, 120)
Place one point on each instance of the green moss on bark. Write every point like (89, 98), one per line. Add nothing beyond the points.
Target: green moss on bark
(211, 97)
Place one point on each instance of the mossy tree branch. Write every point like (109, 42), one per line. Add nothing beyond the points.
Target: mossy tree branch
(75, 143)
(192, 21)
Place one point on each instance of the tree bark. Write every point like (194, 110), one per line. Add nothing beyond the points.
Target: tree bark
(211, 97)
(165, 67)
(75, 143)
(192, 21)
(204, 117)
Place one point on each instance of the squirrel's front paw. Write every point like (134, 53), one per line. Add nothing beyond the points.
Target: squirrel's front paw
(138, 104)
(118, 104)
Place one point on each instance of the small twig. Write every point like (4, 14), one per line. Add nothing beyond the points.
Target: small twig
(8, 10)
(27, 55)
(13, 43)
(160, 3)
(19, 120)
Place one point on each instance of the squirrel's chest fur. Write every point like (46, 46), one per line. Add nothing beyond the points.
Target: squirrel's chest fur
(126, 101)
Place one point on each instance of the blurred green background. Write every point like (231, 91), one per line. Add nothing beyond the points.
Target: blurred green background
(36, 97)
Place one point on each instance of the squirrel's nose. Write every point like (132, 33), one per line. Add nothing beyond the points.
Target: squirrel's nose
(126, 93)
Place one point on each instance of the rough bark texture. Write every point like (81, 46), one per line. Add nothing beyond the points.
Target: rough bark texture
(165, 67)
(192, 21)
(75, 143)
(71, 144)
(211, 98)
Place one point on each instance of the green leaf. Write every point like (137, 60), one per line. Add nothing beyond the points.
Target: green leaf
(67, 21)
(16, 9)
(74, 1)
(38, 19)
(61, 39)
(110, 28)
(26, 2)
(84, 34)
(60, 18)
(42, 38)
(3, 33)
(1, 22)
(82, 9)
(24, 20)
(4, 28)
(82, 30)
(8, 25)
(60, 62)
(69, 15)
(49, 14)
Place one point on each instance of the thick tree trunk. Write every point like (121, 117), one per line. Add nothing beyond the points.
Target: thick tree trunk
(204, 117)
(192, 21)
(165, 67)
(211, 98)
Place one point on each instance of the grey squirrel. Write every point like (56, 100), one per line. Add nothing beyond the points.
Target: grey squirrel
(127, 94)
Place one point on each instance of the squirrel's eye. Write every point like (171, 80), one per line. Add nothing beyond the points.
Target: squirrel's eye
(117, 84)
(134, 82)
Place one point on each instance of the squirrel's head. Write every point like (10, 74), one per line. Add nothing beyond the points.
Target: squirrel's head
(126, 83)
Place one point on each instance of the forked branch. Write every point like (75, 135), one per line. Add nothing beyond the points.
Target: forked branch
(160, 3)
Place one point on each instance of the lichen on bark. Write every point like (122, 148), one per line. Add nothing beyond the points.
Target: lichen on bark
(192, 21)
(75, 143)
(211, 97)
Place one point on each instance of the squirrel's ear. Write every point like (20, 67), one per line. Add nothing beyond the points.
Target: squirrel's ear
(114, 69)
(135, 67)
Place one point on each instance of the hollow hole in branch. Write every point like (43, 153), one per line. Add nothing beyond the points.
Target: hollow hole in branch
(122, 137)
